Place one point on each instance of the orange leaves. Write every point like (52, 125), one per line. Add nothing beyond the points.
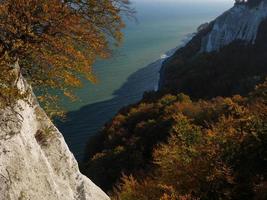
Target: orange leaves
(59, 40)
(212, 149)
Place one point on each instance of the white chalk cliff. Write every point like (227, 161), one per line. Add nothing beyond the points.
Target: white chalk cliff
(35, 162)
(239, 23)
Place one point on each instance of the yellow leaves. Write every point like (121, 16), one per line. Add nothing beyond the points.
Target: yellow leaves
(51, 36)
(18, 44)
(212, 147)
(70, 95)
(46, 8)
(98, 156)
(210, 133)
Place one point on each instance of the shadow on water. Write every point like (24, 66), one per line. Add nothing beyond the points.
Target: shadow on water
(88, 120)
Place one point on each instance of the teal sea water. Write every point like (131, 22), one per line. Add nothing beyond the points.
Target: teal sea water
(134, 66)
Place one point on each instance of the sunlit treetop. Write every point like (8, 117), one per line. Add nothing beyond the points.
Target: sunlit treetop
(57, 41)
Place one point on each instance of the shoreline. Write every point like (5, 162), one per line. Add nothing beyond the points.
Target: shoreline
(89, 119)
(170, 53)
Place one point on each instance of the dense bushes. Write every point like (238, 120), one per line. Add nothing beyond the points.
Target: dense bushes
(126, 143)
(217, 150)
(174, 148)
(235, 69)
(171, 147)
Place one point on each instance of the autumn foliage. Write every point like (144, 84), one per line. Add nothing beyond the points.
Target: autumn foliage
(173, 148)
(56, 42)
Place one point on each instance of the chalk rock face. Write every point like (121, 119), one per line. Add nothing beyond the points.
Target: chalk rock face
(239, 23)
(35, 162)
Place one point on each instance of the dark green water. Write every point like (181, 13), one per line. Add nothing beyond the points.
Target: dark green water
(135, 65)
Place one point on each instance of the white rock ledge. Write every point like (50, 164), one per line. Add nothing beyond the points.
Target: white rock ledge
(238, 23)
(38, 167)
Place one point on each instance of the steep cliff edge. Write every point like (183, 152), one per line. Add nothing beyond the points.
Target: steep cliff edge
(239, 23)
(35, 162)
(153, 141)
(226, 57)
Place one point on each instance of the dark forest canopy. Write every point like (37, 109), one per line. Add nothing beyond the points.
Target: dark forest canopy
(173, 148)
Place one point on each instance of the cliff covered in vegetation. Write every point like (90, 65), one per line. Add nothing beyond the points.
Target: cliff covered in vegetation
(211, 145)
(175, 147)
(226, 57)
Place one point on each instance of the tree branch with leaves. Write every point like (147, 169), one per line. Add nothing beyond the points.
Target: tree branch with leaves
(56, 42)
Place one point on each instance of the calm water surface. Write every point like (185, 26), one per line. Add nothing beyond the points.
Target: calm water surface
(134, 67)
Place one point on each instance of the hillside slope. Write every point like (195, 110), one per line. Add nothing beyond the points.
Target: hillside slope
(226, 57)
(211, 145)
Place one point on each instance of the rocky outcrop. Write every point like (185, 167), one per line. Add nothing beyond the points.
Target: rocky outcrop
(241, 22)
(226, 56)
(35, 162)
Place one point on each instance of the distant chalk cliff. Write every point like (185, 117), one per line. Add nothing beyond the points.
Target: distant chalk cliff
(225, 57)
(239, 23)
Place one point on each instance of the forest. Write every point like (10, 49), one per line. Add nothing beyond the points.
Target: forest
(201, 136)
(174, 148)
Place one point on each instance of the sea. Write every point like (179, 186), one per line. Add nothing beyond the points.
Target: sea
(158, 28)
